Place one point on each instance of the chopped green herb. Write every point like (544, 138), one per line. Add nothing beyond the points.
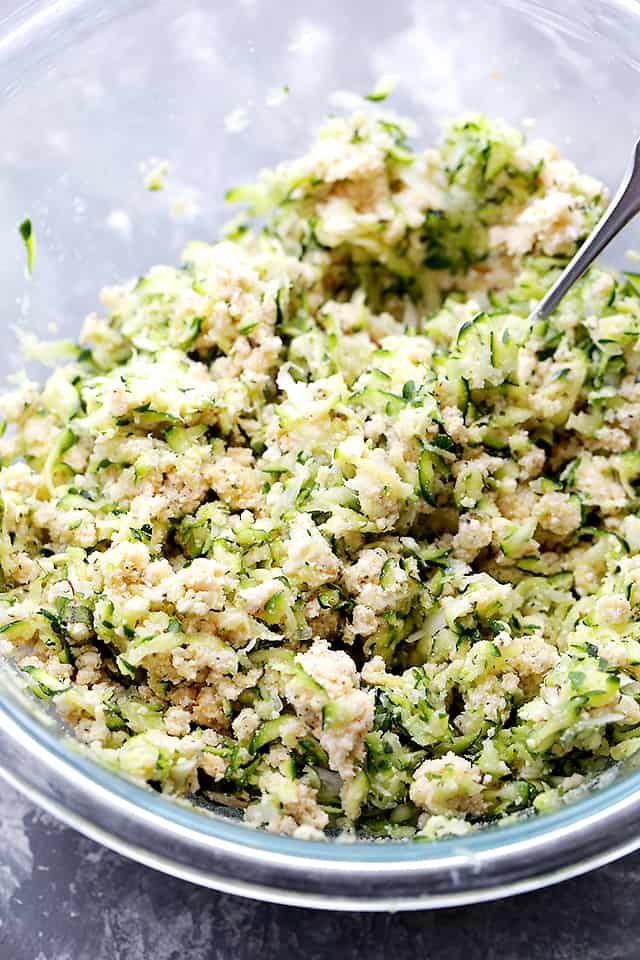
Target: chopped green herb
(26, 232)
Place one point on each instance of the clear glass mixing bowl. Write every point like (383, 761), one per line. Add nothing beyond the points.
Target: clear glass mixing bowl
(90, 90)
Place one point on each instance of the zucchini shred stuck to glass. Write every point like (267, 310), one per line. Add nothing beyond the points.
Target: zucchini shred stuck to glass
(318, 525)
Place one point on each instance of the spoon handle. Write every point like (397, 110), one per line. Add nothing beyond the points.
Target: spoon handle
(624, 206)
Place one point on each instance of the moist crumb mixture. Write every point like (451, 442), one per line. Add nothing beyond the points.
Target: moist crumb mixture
(318, 525)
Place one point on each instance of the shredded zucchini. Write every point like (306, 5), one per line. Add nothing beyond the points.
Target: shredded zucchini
(318, 525)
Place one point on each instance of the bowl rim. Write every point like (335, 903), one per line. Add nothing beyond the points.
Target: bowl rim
(227, 855)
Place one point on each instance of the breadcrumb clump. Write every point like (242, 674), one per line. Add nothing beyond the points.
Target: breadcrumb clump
(318, 525)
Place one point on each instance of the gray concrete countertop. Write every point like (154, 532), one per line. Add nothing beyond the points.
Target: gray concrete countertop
(62, 897)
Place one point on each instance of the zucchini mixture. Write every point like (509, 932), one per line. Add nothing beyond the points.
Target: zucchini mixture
(318, 526)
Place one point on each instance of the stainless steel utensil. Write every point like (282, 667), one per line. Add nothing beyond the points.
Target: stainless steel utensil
(624, 206)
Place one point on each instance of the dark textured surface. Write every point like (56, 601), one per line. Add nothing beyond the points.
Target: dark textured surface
(62, 897)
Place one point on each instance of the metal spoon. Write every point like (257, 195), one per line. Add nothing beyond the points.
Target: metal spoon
(624, 206)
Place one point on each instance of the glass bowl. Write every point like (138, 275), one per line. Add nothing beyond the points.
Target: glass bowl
(93, 92)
